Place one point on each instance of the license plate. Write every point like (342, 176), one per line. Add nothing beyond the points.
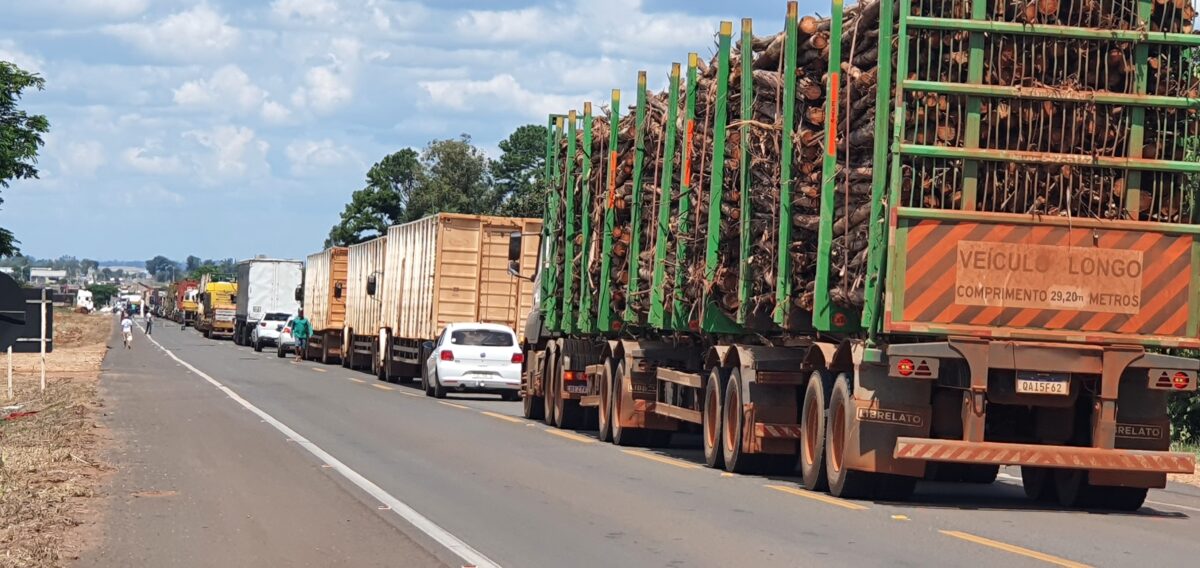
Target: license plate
(1032, 383)
(577, 389)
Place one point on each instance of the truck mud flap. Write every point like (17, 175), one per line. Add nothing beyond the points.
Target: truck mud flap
(874, 432)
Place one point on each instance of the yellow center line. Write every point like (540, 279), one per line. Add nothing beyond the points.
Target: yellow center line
(661, 459)
(570, 436)
(726, 474)
(318, 369)
(452, 404)
(899, 517)
(406, 393)
(1014, 549)
(382, 387)
(502, 417)
(818, 497)
(359, 381)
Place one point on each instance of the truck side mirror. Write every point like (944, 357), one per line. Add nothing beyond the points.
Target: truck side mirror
(337, 290)
(371, 285)
(299, 294)
(514, 248)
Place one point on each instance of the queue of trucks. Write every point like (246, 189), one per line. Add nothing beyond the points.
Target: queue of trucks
(374, 306)
(979, 335)
(979, 341)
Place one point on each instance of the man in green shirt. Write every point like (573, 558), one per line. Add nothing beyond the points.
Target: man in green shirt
(301, 331)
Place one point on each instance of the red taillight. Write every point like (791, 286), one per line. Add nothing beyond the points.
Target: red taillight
(518, 358)
(262, 324)
(1180, 380)
(447, 356)
(905, 367)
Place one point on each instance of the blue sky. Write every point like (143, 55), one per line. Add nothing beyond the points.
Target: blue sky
(177, 125)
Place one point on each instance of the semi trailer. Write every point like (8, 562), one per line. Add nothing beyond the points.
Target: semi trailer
(182, 305)
(265, 286)
(445, 268)
(873, 253)
(364, 304)
(324, 297)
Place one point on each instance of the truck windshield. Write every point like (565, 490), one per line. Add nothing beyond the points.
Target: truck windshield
(483, 337)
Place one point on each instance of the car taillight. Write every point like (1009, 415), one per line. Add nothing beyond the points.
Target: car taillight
(262, 324)
(447, 355)
(518, 358)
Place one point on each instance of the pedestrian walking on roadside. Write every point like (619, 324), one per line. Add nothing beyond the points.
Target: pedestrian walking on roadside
(149, 322)
(127, 331)
(301, 331)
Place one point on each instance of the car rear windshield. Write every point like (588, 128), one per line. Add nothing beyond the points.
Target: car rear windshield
(483, 337)
(276, 317)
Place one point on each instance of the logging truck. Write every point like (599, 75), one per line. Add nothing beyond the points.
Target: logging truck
(872, 274)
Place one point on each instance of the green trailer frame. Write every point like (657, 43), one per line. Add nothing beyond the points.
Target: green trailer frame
(889, 219)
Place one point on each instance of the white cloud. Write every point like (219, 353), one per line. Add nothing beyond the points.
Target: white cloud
(275, 113)
(143, 160)
(82, 158)
(11, 53)
(310, 155)
(236, 152)
(501, 92)
(198, 33)
(304, 9)
(103, 8)
(524, 25)
(229, 85)
(327, 87)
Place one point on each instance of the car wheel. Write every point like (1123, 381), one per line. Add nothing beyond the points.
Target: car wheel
(258, 345)
(510, 396)
(279, 350)
(439, 391)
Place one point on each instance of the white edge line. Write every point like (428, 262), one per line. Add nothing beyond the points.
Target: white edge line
(421, 522)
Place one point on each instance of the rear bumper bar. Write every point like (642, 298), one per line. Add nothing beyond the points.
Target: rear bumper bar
(1065, 457)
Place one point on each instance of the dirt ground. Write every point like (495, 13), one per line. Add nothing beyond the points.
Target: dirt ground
(50, 466)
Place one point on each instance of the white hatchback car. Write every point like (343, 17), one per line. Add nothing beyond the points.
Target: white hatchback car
(473, 357)
(267, 331)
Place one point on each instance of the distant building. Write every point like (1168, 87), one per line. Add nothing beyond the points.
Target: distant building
(9, 270)
(43, 276)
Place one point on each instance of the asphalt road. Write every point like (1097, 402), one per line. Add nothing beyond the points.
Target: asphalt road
(518, 493)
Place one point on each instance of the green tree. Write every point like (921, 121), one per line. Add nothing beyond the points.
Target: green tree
(390, 184)
(519, 174)
(88, 264)
(102, 293)
(458, 180)
(160, 267)
(20, 136)
(192, 263)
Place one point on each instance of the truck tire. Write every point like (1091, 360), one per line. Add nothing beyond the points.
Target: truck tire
(1038, 483)
(324, 352)
(736, 461)
(604, 410)
(812, 423)
(1127, 499)
(548, 373)
(843, 482)
(711, 422)
(622, 436)
(568, 414)
(532, 407)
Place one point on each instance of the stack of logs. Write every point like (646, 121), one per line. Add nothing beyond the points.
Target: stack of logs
(1061, 127)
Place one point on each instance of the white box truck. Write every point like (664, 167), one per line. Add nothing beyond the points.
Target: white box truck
(265, 286)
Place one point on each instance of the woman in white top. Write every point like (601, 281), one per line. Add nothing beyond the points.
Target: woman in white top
(127, 331)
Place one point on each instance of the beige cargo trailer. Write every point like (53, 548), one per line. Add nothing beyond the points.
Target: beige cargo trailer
(325, 302)
(443, 269)
(364, 304)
